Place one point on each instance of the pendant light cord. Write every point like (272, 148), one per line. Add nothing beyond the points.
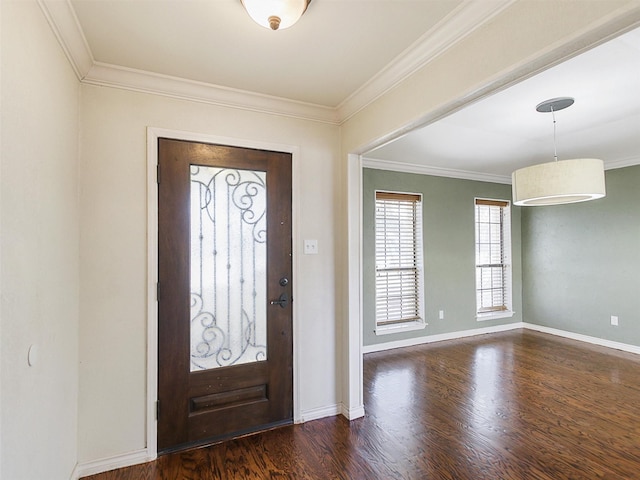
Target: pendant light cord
(555, 150)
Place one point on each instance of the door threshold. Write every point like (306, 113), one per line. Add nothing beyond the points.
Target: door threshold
(208, 442)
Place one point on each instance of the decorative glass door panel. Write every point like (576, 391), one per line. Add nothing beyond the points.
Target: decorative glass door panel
(228, 289)
(224, 292)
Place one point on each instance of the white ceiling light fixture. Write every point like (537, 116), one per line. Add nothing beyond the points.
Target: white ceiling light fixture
(275, 14)
(558, 182)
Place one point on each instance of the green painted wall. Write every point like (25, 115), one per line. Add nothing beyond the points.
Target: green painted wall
(449, 262)
(581, 262)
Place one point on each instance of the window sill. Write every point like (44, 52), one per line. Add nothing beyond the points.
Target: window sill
(400, 327)
(482, 317)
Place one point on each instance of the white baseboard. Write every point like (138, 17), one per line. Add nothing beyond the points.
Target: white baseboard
(584, 338)
(142, 456)
(322, 412)
(501, 328)
(352, 413)
(410, 342)
(111, 463)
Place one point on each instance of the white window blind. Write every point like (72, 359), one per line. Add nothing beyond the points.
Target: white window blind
(397, 257)
(491, 266)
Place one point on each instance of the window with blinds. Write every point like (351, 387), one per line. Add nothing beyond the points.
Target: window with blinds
(493, 279)
(398, 258)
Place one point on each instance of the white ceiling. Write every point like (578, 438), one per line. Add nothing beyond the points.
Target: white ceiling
(504, 132)
(333, 50)
(341, 55)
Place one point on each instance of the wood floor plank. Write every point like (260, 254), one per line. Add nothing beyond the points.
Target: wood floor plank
(517, 405)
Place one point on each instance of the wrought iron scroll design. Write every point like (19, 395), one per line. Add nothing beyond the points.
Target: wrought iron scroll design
(228, 267)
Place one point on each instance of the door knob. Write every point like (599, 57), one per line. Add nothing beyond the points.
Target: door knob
(283, 301)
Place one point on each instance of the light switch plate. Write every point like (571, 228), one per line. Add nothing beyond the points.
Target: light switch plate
(311, 247)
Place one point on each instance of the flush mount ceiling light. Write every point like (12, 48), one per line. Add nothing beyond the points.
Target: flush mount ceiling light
(275, 14)
(558, 182)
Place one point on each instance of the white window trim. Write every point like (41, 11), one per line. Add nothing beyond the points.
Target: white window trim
(508, 313)
(483, 317)
(420, 323)
(401, 327)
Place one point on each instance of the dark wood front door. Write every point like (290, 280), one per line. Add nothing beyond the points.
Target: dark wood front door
(225, 346)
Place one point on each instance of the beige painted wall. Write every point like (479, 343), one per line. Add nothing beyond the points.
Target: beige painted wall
(39, 245)
(43, 253)
(113, 242)
(113, 252)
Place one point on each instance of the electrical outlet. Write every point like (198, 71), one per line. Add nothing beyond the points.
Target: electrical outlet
(614, 320)
(441, 314)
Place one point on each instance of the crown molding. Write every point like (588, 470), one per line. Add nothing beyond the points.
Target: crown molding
(466, 174)
(467, 17)
(66, 28)
(460, 23)
(625, 162)
(435, 171)
(107, 75)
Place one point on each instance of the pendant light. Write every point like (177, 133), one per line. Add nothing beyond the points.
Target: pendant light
(275, 14)
(558, 182)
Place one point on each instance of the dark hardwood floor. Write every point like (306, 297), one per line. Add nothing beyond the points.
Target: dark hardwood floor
(514, 405)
